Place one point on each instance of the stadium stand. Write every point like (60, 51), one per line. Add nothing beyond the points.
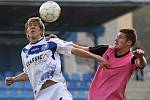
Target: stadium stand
(87, 77)
(75, 77)
(78, 88)
(23, 90)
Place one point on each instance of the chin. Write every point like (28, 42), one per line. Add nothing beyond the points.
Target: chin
(116, 48)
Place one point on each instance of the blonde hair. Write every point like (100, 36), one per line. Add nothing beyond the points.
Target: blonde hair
(35, 19)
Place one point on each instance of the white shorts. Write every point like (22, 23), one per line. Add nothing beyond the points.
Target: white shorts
(57, 91)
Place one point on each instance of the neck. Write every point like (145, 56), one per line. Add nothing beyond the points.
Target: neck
(122, 51)
(34, 40)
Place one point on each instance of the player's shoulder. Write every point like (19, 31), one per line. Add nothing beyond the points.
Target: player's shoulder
(55, 40)
(26, 48)
(111, 48)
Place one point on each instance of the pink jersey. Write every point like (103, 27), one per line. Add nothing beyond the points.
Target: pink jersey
(110, 84)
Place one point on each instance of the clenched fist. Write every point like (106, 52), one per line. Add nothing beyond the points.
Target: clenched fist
(9, 80)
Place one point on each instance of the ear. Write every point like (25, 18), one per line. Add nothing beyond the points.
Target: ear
(129, 42)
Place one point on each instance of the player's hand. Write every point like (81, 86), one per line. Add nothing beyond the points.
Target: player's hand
(104, 63)
(9, 80)
(50, 36)
(138, 53)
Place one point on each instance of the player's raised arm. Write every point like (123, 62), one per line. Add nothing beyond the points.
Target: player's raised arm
(141, 61)
(21, 77)
(74, 45)
(81, 47)
(86, 54)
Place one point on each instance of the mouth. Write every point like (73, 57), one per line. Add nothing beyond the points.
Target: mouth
(32, 31)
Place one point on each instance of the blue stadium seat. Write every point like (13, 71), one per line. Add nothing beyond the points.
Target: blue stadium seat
(18, 85)
(66, 76)
(74, 93)
(87, 77)
(75, 77)
(8, 94)
(72, 85)
(27, 85)
(18, 72)
(26, 94)
(11, 93)
(2, 94)
(1, 76)
(84, 85)
(4, 86)
(8, 73)
(83, 95)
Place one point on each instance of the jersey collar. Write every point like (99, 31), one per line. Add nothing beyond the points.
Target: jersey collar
(38, 40)
(118, 56)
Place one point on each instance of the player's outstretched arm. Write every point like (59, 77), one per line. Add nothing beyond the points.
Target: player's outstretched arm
(21, 77)
(141, 60)
(74, 45)
(81, 47)
(86, 54)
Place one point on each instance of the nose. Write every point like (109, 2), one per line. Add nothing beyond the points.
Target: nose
(116, 39)
(32, 26)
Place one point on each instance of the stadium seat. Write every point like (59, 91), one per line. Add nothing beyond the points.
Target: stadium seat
(8, 73)
(1, 76)
(66, 76)
(83, 95)
(27, 85)
(74, 93)
(2, 94)
(75, 77)
(84, 85)
(18, 85)
(26, 94)
(4, 86)
(87, 77)
(18, 72)
(11, 93)
(73, 85)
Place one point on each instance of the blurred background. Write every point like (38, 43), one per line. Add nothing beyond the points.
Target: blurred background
(85, 22)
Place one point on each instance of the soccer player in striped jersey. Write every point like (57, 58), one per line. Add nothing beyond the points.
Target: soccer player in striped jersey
(42, 65)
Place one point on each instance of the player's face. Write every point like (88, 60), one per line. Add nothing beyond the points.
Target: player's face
(121, 41)
(33, 31)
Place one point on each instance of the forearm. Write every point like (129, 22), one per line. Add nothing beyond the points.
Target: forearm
(81, 47)
(85, 54)
(142, 62)
(21, 77)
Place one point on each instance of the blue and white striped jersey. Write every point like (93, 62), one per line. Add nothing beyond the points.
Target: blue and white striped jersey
(41, 61)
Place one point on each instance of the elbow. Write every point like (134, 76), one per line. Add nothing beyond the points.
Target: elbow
(142, 63)
(142, 66)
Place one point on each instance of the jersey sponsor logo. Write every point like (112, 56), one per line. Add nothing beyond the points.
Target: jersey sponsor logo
(37, 59)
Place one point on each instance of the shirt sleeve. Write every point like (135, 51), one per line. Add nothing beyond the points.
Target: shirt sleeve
(24, 69)
(98, 50)
(63, 47)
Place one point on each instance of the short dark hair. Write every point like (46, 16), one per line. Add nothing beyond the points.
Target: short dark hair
(131, 35)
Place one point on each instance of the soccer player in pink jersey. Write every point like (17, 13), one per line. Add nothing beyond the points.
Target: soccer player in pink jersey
(109, 83)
